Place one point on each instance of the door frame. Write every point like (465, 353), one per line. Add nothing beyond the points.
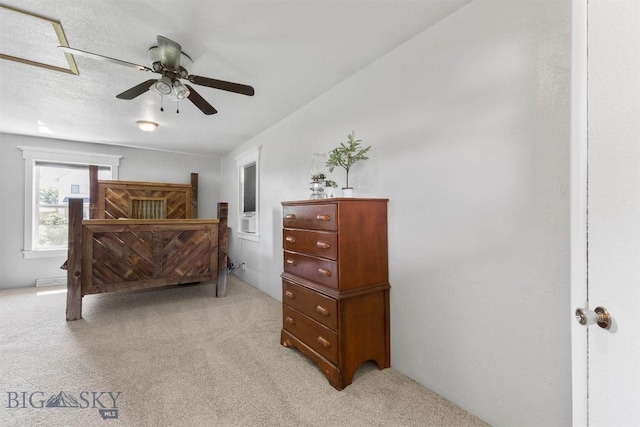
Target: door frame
(579, 296)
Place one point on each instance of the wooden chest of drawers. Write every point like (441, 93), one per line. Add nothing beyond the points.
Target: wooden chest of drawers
(335, 284)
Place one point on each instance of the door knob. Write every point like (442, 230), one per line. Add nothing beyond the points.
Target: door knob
(599, 316)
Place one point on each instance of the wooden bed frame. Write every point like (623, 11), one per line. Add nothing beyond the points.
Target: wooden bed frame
(142, 235)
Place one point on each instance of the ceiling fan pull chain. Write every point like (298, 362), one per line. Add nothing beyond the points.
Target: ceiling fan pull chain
(178, 107)
(161, 103)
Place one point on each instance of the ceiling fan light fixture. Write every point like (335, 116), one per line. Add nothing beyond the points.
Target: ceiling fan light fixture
(147, 126)
(180, 90)
(163, 86)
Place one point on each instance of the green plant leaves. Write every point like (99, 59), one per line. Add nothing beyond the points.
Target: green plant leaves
(346, 155)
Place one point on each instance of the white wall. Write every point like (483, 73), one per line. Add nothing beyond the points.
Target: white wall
(469, 123)
(136, 165)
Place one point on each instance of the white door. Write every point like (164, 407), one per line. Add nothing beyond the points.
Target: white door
(607, 183)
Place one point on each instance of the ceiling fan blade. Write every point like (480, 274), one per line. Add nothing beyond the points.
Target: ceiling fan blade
(137, 90)
(222, 85)
(200, 102)
(170, 53)
(79, 52)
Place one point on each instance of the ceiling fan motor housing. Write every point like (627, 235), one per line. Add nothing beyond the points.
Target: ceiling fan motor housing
(155, 58)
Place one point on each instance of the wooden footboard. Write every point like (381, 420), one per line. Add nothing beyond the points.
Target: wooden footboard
(114, 255)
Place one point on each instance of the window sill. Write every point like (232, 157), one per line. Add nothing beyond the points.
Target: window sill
(45, 253)
(254, 237)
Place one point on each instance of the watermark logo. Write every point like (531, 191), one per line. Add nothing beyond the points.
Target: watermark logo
(108, 413)
(62, 400)
(106, 402)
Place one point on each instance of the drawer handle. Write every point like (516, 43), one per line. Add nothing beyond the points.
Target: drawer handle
(323, 245)
(324, 272)
(290, 239)
(290, 216)
(324, 311)
(324, 342)
(291, 262)
(323, 218)
(289, 294)
(290, 321)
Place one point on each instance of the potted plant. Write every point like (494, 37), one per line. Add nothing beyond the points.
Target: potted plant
(346, 155)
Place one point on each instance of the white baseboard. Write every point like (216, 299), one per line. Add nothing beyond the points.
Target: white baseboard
(51, 281)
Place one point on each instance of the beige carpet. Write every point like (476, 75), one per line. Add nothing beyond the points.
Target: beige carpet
(181, 357)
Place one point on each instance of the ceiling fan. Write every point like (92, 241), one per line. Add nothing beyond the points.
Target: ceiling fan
(168, 60)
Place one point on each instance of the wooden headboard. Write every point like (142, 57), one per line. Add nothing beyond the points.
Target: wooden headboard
(142, 200)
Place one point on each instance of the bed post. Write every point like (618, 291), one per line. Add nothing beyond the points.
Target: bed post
(93, 192)
(194, 195)
(74, 261)
(223, 244)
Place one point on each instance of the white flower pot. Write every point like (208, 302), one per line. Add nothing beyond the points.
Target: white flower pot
(347, 192)
(329, 192)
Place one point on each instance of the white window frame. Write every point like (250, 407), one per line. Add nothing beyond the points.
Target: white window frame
(31, 155)
(243, 160)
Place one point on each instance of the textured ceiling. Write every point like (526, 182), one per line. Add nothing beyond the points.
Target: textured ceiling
(289, 51)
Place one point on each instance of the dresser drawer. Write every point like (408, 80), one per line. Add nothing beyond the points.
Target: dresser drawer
(313, 217)
(315, 305)
(320, 338)
(319, 243)
(318, 270)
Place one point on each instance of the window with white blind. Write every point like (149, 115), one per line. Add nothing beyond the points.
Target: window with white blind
(52, 177)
